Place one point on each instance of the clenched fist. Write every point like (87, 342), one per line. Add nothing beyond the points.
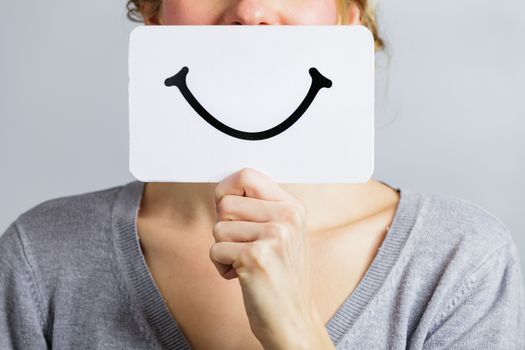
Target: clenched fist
(261, 239)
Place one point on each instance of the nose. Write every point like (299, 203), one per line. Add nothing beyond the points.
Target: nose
(252, 12)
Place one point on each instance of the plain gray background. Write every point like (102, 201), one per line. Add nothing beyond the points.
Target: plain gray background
(450, 109)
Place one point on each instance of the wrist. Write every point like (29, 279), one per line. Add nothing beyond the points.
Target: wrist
(309, 334)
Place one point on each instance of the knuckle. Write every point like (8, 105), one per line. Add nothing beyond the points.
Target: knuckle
(245, 176)
(257, 255)
(218, 231)
(277, 231)
(291, 214)
(225, 205)
(246, 173)
(298, 204)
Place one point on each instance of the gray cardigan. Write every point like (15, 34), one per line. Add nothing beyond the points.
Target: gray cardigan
(72, 276)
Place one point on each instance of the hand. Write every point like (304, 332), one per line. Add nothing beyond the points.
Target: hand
(261, 239)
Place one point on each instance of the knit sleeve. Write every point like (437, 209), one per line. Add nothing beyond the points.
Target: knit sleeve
(488, 312)
(20, 312)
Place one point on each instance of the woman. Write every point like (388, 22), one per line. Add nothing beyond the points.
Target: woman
(250, 264)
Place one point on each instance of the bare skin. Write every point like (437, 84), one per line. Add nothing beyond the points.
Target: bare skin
(346, 223)
(175, 223)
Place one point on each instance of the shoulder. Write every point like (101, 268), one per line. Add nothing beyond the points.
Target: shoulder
(450, 222)
(451, 239)
(470, 270)
(59, 230)
(72, 209)
(455, 249)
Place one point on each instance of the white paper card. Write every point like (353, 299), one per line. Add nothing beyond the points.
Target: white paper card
(295, 102)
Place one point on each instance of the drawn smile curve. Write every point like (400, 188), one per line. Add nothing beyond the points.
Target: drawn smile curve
(318, 82)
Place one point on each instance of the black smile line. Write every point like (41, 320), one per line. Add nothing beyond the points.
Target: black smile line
(318, 82)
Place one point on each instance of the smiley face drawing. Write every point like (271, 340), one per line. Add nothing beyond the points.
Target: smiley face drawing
(318, 82)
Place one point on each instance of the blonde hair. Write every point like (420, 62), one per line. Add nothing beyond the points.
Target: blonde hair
(368, 17)
(367, 7)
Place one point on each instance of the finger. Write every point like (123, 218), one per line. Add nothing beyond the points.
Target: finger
(224, 255)
(238, 231)
(251, 183)
(227, 253)
(233, 207)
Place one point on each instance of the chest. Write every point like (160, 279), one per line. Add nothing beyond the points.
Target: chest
(210, 310)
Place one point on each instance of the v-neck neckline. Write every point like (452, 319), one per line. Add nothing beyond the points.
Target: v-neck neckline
(144, 290)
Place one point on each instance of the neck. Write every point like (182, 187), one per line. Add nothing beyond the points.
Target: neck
(328, 206)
